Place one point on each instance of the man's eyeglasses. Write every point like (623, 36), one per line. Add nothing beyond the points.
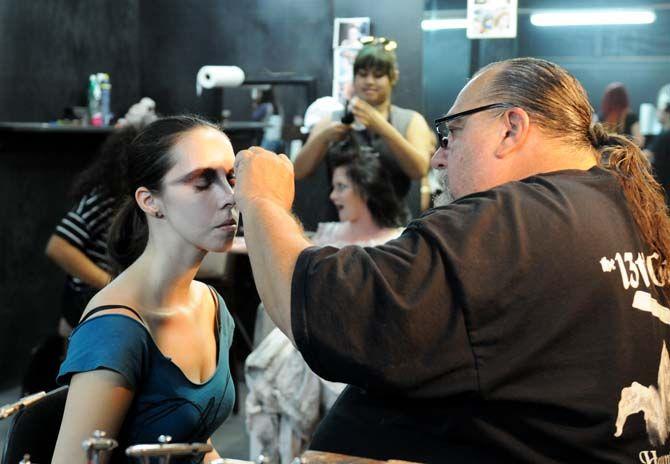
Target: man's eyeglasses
(389, 45)
(442, 124)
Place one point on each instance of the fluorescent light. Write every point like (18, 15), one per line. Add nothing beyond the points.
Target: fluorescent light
(445, 23)
(592, 17)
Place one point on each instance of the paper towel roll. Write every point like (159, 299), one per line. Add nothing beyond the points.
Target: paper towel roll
(218, 76)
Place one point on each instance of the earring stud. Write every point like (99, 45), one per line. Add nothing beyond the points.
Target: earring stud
(159, 215)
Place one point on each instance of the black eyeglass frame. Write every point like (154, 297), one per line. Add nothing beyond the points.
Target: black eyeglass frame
(442, 128)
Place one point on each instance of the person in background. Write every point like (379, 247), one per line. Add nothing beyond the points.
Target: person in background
(526, 321)
(127, 368)
(79, 243)
(400, 136)
(615, 113)
(659, 149)
(78, 246)
(286, 399)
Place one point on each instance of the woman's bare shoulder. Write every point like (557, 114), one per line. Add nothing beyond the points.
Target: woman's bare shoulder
(114, 299)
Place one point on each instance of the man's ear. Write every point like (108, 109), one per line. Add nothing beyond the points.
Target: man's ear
(148, 202)
(516, 126)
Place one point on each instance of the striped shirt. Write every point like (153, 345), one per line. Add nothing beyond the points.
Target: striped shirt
(86, 227)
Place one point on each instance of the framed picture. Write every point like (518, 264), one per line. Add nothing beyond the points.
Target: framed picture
(347, 32)
(343, 72)
(492, 19)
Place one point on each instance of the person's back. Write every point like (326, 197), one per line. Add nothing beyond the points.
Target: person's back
(526, 379)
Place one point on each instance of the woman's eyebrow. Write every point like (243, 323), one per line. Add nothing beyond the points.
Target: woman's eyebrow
(192, 175)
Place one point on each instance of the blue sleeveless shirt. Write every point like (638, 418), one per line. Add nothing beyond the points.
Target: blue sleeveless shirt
(166, 402)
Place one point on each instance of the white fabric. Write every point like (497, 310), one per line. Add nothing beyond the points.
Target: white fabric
(283, 402)
(332, 234)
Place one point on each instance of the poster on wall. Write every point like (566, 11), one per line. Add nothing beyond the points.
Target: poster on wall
(492, 19)
(347, 33)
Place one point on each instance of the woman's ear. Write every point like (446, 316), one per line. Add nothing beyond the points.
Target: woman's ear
(394, 76)
(148, 202)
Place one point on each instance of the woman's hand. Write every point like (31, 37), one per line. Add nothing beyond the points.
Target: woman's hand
(334, 131)
(367, 115)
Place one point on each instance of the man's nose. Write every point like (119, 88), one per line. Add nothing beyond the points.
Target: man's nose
(439, 159)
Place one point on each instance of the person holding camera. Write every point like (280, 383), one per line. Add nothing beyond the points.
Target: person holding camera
(400, 136)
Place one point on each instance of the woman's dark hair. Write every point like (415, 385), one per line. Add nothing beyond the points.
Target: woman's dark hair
(614, 106)
(557, 103)
(148, 159)
(103, 172)
(374, 56)
(373, 183)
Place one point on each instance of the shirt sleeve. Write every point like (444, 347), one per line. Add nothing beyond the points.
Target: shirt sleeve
(357, 313)
(73, 227)
(114, 342)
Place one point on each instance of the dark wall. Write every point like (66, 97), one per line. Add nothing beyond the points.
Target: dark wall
(177, 37)
(638, 56)
(49, 48)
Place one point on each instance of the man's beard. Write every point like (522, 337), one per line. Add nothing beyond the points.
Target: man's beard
(445, 196)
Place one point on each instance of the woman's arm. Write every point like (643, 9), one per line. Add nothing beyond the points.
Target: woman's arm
(322, 135)
(96, 400)
(413, 152)
(73, 261)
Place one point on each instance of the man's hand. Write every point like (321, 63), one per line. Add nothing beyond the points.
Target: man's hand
(367, 114)
(263, 175)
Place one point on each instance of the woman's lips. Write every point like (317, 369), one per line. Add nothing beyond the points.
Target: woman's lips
(227, 225)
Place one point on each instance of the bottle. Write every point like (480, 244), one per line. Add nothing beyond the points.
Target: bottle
(105, 96)
(94, 101)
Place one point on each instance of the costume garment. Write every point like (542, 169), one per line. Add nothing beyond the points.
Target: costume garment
(520, 324)
(165, 401)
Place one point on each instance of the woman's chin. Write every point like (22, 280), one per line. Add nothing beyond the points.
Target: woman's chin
(223, 247)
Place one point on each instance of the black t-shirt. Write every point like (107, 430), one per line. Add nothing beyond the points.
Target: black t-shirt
(660, 147)
(513, 325)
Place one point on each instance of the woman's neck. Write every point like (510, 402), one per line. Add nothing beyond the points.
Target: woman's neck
(363, 228)
(166, 277)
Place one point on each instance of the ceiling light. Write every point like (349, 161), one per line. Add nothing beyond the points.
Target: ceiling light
(592, 17)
